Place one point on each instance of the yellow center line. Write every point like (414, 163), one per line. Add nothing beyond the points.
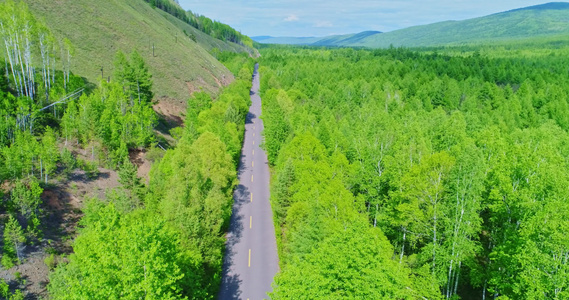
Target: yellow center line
(249, 258)
(253, 151)
(253, 134)
(253, 143)
(251, 178)
(251, 222)
(253, 164)
(251, 197)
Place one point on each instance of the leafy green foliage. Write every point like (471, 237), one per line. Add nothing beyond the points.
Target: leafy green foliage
(218, 30)
(136, 244)
(134, 76)
(50, 261)
(110, 116)
(456, 159)
(192, 185)
(165, 241)
(124, 256)
(170, 7)
(26, 199)
(4, 288)
(13, 239)
(132, 185)
(348, 264)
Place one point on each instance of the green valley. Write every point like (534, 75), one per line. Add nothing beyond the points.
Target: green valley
(148, 151)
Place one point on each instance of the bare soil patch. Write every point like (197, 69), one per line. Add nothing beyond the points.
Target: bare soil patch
(138, 158)
(171, 110)
(62, 203)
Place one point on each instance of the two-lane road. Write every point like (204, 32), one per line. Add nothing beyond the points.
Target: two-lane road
(251, 259)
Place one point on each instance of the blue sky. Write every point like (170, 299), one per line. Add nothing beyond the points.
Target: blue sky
(327, 17)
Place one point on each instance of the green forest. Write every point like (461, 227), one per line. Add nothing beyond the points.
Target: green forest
(429, 173)
(419, 175)
(157, 240)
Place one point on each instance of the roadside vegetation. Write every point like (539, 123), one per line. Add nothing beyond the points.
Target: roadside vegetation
(437, 173)
(402, 174)
(161, 239)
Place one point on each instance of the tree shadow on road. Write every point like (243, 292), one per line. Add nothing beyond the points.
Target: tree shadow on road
(230, 282)
(249, 118)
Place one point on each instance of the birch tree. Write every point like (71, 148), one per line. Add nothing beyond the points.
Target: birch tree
(27, 44)
(13, 239)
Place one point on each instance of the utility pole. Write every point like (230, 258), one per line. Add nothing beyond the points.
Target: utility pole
(102, 74)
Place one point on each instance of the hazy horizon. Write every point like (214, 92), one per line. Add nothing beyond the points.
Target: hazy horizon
(321, 18)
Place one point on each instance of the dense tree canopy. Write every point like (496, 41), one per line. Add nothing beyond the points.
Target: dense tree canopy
(457, 159)
(164, 240)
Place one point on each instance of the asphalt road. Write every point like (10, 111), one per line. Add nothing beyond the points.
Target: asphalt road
(251, 259)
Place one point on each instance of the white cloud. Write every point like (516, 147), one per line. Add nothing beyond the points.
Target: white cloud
(304, 17)
(322, 24)
(291, 18)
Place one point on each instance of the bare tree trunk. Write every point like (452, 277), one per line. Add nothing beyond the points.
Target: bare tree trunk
(457, 277)
(53, 71)
(17, 251)
(7, 73)
(403, 244)
(375, 216)
(434, 237)
(10, 51)
(449, 283)
(23, 74)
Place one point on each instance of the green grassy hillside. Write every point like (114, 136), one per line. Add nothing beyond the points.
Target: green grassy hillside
(97, 29)
(543, 20)
(546, 20)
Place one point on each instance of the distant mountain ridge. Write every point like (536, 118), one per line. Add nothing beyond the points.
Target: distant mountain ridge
(546, 6)
(547, 19)
(331, 40)
(286, 40)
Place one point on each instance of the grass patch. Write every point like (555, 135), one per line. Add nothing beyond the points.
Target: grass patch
(97, 29)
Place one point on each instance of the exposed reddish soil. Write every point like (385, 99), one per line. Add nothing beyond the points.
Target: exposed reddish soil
(138, 157)
(171, 110)
(62, 204)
